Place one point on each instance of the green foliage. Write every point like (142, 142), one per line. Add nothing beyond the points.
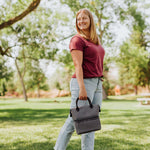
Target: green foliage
(106, 13)
(66, 59)
(37, 77)
(35, 33)
(60, 79)
(4, 43)
(75, 5)
(34, 78)
(3, 89)
(106, 85)
(139, 23)
(58, 85)
(134, 58)
(36, 37)
(5, 75)
(31, 39)
(11, 8)
(133, 61)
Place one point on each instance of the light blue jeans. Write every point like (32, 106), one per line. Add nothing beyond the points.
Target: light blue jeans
(94, 92)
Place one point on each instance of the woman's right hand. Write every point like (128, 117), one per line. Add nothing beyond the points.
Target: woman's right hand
(83, 94)
(77, 57)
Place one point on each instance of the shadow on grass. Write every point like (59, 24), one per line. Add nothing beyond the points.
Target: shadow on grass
(126, 117)
(134, 120)
(31, 116)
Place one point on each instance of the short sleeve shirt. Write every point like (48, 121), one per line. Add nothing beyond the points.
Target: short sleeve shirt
(93, 56)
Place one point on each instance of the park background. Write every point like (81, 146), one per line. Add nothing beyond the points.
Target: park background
(36, 68)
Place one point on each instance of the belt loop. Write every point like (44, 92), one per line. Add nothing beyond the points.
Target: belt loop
(98, 80)
(101, 78)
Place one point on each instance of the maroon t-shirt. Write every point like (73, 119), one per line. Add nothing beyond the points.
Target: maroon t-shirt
(93, 56)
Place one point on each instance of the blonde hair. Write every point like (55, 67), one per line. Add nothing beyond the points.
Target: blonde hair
(93, 35)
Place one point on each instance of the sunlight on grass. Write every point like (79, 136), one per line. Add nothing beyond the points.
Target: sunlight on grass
(35, 125)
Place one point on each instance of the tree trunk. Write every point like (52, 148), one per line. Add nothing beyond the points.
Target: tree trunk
(104, 93)
(38, 91)
(22, 82)
(58, 95)
(136, 89)
(149, 86)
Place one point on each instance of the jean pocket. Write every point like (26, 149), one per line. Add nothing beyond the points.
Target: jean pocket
(99, 87)
(74, 85)
(74, 96)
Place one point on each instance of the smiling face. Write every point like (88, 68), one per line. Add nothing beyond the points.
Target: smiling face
(83, 21)
(85, 25)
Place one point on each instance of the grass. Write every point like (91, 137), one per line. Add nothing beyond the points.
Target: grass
(35, 125)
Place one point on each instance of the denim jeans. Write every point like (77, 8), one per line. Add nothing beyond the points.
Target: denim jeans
(94, 92)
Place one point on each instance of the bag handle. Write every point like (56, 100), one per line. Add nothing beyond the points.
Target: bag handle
(90, 103)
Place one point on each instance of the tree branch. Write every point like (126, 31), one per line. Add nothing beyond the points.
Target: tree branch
(99, 16)
(24, 61)
(31, 7)
(19, 58)
(65, 38)
(106, 25)
(147, 42)
(2, 52)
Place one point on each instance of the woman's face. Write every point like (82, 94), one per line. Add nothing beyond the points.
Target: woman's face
(83, 21)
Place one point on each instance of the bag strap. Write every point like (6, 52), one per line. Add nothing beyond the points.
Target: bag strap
(77, 108)
(90, 103)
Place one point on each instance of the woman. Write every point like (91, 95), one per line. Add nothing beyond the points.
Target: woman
(87, 55)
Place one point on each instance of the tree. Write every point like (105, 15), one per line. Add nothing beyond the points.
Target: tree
(4, 24)
(33, 41)
(35, 78)
(5, 75)
(21, 80)
(134, 57)
(106, 13)
(33, 46)
(133, 61)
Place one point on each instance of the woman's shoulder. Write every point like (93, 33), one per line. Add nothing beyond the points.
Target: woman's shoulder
(77, 43)
(77, 38)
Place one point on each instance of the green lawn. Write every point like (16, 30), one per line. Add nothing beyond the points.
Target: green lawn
(35, 125)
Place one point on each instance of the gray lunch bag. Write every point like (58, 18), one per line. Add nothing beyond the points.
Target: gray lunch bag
(86, 118)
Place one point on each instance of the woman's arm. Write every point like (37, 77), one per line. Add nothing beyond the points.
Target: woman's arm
(77, 57)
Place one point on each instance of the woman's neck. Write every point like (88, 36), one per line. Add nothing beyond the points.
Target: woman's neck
(86, 33)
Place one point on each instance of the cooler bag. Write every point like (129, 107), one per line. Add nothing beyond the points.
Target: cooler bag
(86, 118)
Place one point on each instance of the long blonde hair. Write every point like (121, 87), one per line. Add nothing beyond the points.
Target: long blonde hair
(93, 35)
